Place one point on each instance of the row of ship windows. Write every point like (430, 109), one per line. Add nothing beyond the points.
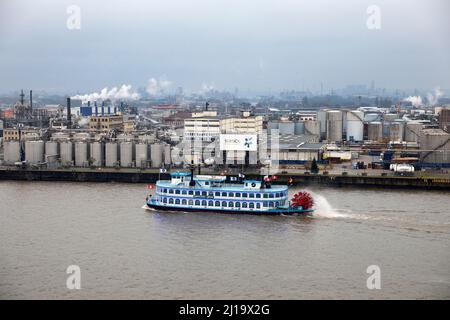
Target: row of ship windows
(224, 194)
(224, 204)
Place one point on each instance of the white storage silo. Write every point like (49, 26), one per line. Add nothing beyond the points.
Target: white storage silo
(375, 131)
(396, 131)
(51, 151)
(126, 154)
(334, 126)
(141, 155)
(286, 127)
(299, 127)
(66, 152)
(111, 154)
(413, 131)
(355, 125)
(81, 154)
(167, 154)
(34, 151)
(11, 151)
(96, 153)
(322, 119)
(312, 127)
(372, 117)
(272, 125)
(388, 117)
(156, 154)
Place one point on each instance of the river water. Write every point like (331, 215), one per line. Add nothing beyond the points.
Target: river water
(124, 251)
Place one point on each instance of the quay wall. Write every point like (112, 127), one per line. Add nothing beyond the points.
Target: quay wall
(147, 176)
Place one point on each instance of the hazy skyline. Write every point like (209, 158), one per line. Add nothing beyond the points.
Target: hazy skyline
(256, 45)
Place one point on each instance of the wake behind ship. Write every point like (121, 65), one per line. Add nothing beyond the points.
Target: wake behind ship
(202, 193)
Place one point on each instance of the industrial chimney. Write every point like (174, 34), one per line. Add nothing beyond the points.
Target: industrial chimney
(31, 100)
(69, 115)
(21, 97)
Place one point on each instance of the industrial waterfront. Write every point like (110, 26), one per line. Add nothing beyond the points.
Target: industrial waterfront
(240, 152)
(124, 251)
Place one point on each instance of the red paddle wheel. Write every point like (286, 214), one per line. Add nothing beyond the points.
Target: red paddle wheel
(302, 199)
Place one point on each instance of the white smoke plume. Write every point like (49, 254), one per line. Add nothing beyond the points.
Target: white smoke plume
(416, 101)
(155, 87)
(122, 93)
(207, 87)
(433, 99)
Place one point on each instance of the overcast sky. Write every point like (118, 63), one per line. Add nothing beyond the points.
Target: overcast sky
(257, 45)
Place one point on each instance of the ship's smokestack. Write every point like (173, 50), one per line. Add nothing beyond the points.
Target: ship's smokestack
(192, 182)
(69, 115)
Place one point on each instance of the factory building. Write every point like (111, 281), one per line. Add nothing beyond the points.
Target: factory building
(12, 134)
(244, 124)
(204, 126)
(291, 149)
(106, 122)
(176, 120)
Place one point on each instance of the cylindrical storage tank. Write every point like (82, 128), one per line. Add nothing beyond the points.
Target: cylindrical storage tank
(355, 126)
(272, 125)
(126, 154)
(167, 154)
(396, 131)
(413, 131)
(299, 127)
(81, 154)
(96, 151)
(334, 126)
(111, 154)
(11, 152)
(287, 127)
(372, 117)
(375, 131)
(156, 154)
(312, 127)
(386, 130)
(34, 151)
(51, 151)
(322, 119)
(390, 117)
(66, 152)
(141, 155)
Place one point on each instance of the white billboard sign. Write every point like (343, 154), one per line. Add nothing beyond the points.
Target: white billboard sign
(239, 142)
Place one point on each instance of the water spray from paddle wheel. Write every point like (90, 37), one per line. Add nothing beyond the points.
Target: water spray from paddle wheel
(302, 199)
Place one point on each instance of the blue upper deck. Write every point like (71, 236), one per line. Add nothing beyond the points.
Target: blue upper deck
(180, 174)
(182, 180)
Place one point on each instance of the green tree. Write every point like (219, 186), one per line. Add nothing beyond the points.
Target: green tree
(314, 166)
